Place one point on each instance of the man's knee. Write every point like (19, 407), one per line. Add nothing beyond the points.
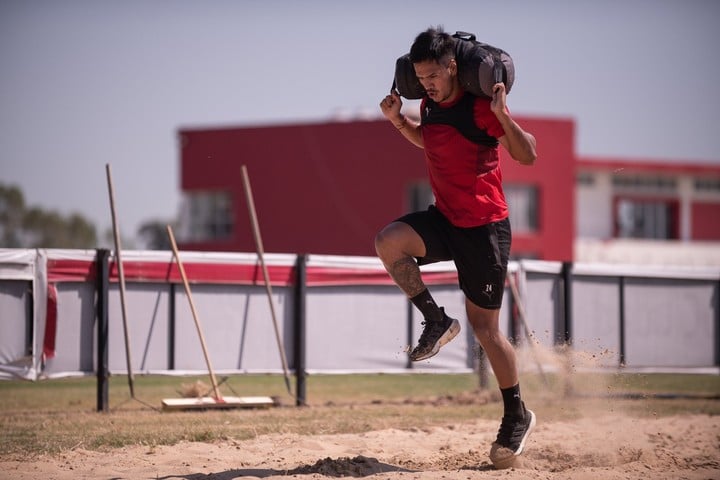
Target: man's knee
(382, 242)
(485, 322)
(391, 240)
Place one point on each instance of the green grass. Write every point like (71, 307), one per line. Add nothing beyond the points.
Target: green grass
(51, 416)
(667, 383)
(80, 393)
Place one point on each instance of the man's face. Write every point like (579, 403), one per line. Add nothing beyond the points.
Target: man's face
(438, 80)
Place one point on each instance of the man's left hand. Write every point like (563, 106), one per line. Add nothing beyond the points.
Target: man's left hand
(498, 104)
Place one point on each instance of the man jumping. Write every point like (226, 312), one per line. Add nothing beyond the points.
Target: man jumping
(468, 223)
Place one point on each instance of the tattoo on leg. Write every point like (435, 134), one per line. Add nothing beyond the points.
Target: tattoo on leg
(406, 274)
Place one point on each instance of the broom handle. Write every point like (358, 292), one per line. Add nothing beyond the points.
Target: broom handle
(121, 276)
(260, 251)
(526, 329)
(194, 312)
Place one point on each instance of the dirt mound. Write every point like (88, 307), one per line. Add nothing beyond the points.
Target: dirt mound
(359, 466)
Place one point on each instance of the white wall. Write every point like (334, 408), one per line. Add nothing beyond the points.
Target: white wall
(594, 208)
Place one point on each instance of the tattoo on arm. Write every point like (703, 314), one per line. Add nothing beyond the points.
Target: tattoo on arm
(406, 274)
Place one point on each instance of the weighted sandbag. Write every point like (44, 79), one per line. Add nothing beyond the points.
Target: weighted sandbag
(480, 66)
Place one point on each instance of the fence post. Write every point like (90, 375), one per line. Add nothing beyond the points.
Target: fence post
(621, 301)
(717, 323)
(567, 302)
(300, 340)
(409, 330)
(171, 326)
(101, 284)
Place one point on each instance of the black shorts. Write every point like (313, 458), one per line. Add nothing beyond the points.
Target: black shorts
(480, 253)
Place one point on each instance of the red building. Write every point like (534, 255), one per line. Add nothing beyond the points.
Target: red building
(327, 188)
(670, 200)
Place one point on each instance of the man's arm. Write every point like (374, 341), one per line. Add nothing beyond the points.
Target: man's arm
(410, 129)
(519, 143)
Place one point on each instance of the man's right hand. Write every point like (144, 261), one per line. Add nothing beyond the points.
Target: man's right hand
(390, 107)
(410, 129)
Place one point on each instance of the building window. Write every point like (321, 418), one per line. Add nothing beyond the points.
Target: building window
(646, 218)
(523, 203)
(585, 179)
(645, 182)
(707, 184)
(208, 216)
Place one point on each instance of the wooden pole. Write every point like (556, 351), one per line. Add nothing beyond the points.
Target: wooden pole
(526, 329)
(216, 392)
(121, 276)
(266, 276)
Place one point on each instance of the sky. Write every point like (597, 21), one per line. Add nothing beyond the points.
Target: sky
(89, 83)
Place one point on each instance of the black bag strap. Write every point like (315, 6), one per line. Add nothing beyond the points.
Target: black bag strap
(499, 69)
(465, 36)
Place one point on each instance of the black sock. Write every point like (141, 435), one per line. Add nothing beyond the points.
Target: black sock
(511, 401)
(427, 306)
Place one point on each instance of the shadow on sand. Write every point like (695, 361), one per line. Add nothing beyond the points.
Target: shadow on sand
(341, 467)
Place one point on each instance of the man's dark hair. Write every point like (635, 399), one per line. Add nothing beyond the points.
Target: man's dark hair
(433, 44)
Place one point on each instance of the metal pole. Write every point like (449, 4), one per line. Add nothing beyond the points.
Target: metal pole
(621, 301)
(171, 328)
(567, 302)
(101, 285)
(29, 323)
(717, 323)
(300, 337)
(410, 318)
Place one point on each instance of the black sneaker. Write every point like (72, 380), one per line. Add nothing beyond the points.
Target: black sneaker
(434, 336)
(514, 432)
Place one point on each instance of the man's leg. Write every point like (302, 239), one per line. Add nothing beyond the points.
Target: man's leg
(517, 422)
(397, 246)
(501, 355)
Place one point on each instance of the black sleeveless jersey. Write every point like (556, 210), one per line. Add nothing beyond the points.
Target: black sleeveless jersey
(460, 116)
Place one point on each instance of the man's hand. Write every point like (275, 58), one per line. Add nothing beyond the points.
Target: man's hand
(409, 128)
(498, 105)
(391, 106)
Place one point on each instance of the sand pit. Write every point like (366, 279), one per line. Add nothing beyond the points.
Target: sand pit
(584, 437)
(611, 446)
